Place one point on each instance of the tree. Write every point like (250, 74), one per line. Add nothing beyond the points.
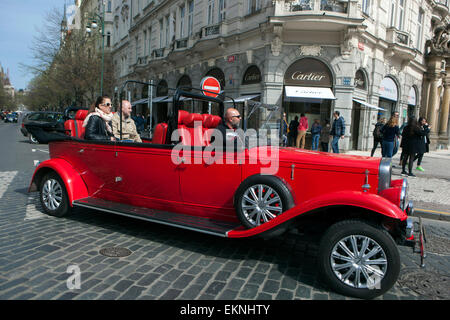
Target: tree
(67, 66)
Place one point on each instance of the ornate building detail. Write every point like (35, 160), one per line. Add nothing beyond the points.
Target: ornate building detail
(310, 50)
(124, 12)
(439, 45)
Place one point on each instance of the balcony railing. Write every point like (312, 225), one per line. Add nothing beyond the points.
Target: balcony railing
(210, 30)
(339, 6)
(182, 43)
(398, 37)
(158, 53)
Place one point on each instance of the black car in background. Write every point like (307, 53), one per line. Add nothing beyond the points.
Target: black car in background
(41, 120)
(11, 117)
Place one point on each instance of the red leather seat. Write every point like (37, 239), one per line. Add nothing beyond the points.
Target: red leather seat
(75, 128)
(160, 133)
(191, 132)
(79, 119)
(209, 125)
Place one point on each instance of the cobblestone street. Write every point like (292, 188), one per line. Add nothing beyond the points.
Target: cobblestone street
(36, 251)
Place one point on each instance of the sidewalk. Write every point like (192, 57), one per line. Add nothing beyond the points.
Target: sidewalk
(430, 190)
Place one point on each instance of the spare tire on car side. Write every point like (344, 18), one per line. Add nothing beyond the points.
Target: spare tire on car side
(261, 198)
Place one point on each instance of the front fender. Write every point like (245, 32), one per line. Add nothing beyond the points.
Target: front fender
(75, 186)
(369, 201)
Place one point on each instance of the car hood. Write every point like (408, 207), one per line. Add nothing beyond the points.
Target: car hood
(318, 160)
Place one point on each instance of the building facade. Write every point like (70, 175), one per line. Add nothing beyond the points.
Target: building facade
(364, 58)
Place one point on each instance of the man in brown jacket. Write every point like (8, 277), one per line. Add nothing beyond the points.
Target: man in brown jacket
(129, 131)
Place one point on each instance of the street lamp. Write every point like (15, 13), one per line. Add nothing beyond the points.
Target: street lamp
(94, 25)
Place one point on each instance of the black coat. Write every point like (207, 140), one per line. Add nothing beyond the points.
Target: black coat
(414, 142)
(96, 129)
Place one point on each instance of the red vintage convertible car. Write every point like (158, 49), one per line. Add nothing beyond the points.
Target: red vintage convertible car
(362, 213)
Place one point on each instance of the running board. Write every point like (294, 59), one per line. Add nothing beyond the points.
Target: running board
(184, 221)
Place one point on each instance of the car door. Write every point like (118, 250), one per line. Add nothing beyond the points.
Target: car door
(208, 181)
(147, 176)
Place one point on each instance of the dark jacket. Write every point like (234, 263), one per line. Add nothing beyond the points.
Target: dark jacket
(229, 138)
(96, 129)
(293, 125)
(411, 141)
(389, 133)
(338, 127)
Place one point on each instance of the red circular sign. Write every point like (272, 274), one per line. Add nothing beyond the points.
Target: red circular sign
(211, 85)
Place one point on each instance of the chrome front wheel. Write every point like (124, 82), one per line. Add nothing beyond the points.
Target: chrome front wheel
(359, 261)
(358, 258)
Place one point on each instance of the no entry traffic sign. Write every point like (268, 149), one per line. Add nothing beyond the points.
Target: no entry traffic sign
(211, 85)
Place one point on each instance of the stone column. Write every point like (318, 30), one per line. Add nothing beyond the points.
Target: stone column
(433, 105)
(444, 109)
(425, 96)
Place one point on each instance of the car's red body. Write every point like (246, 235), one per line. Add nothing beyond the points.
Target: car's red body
(144, 181)
(146, 176)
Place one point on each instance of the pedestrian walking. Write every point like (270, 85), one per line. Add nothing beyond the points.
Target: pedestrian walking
(325, 136)
(293, 132)
(424, 143)
(337, 131)
(412, 135)
(395, 115)
(378, 136)
(316, 128)
(302, 127)
(284, 130)
(390, 132)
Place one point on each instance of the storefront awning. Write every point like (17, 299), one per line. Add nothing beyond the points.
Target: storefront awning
(170, 99)
(243, 98)
(368, 105)
(145, 101)
(309, 93)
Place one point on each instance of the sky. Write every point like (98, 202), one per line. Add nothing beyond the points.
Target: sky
(19, 20)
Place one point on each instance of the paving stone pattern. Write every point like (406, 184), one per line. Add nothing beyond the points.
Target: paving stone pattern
(36, 251)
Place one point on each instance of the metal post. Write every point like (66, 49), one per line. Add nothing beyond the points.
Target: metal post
(103, 46)
(150, 107)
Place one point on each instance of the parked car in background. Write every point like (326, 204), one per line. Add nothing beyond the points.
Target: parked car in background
(11, 117)
(41, 120)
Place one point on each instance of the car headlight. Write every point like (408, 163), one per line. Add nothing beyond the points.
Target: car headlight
(404, 195)
(384, 174)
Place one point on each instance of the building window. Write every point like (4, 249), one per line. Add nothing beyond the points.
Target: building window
(253, 6)
(393, 6)
(366, 6)
(222, 10)
(191, 18)
(210, 11)
(108, 39)
(401, 14)
(419, 30)
(161, 28)
(109, 7)
(182, 14)
(137, 45)
(149, 41)
(145, 42)
(167, 30)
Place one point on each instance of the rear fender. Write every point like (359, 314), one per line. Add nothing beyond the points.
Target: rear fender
(369, 201)
(75, 186)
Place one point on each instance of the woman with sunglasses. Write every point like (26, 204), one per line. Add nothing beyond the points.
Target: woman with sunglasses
(98, 120)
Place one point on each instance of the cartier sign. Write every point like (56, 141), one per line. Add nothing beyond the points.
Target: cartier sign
(252, 75)
(308, 72)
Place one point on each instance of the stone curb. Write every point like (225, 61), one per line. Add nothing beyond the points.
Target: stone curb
(430, 214)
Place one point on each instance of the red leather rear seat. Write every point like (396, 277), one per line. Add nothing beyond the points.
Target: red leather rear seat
(75, 128)
(209, 125)
(160, 133)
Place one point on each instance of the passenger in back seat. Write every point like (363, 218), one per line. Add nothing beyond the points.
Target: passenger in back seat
(129, 131)
(98, 120)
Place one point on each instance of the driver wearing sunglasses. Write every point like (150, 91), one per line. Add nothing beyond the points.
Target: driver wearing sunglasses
(227, 130)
